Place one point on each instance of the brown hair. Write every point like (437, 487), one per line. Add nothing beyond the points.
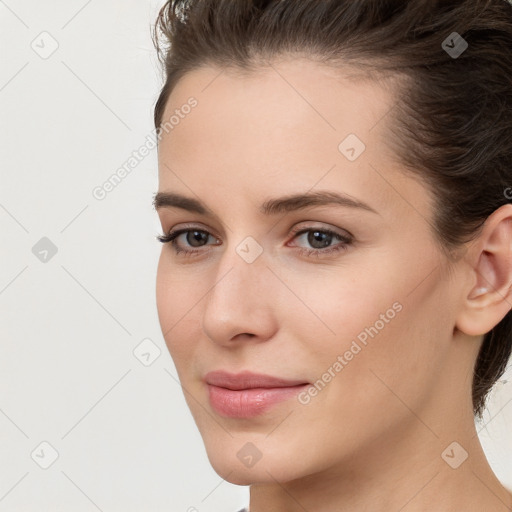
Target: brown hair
(452, 123)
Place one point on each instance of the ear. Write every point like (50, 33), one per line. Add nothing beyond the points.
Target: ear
(488, 295)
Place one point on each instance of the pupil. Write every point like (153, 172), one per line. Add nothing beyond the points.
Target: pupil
(195, 236)
(314, 236)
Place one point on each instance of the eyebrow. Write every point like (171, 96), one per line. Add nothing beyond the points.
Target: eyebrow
(270, 207)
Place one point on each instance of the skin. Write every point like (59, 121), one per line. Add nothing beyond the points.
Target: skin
(373, 437)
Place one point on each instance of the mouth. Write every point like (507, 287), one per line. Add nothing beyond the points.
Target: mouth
(247, 394)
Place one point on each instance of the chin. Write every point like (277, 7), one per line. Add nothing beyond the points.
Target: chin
(275, 465)
(241, 476)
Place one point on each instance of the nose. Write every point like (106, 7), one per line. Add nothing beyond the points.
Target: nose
(241, 303)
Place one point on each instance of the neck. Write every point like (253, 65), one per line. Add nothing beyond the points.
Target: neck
(414, 472)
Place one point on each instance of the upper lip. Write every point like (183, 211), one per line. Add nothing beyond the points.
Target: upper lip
(247, 380)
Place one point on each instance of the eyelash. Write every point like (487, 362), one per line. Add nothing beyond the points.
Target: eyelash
(343, 246)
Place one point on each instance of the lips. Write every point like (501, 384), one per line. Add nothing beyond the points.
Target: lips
(248, 394)
(248, 380)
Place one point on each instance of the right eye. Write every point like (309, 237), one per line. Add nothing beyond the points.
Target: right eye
(194, 236)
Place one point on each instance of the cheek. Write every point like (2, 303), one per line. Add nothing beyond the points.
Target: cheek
(378, 325)
(176, 298)
(164, 299)
(334, 306)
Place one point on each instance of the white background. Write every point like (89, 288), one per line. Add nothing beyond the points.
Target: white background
(68, 375)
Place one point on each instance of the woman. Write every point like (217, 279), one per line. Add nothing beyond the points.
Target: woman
(335, 284)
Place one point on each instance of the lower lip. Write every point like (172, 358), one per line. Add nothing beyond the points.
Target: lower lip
(247, 403)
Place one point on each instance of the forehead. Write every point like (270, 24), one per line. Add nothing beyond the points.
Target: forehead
(290, 126)
(288, 97)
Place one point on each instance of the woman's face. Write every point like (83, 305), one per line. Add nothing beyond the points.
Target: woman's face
(363, 318)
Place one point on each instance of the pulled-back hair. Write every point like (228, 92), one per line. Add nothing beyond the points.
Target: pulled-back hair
(451, 125)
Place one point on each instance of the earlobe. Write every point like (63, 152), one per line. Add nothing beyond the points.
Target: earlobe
(489, 297)
(478, 291)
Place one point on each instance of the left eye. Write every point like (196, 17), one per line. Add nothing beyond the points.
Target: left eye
(319, 239)
(322, 238)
